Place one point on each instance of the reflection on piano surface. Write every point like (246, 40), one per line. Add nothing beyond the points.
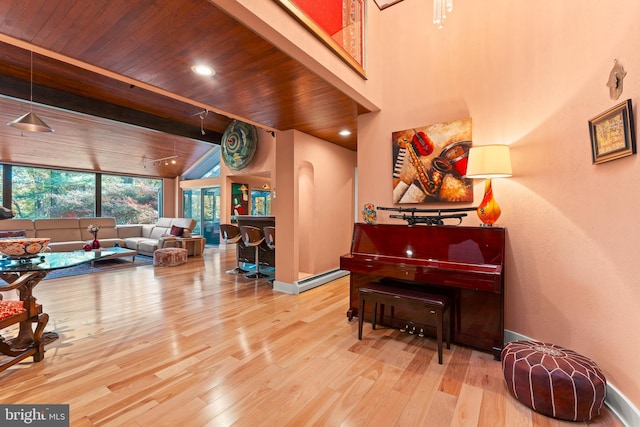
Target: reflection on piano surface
(466, 263)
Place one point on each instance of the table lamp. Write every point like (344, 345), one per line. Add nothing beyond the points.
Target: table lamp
(489, 161)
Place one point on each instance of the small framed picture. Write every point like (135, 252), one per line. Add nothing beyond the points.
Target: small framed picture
(612, 133)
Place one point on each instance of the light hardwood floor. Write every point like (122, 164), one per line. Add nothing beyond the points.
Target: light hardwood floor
(193, 346)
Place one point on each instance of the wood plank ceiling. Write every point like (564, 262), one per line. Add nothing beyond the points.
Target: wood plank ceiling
(119, 61)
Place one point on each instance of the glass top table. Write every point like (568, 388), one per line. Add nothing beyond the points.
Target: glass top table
(52, 261)
(23, 274)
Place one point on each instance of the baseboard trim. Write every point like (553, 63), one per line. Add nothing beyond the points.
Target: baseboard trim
(617, 402)
(308, 282)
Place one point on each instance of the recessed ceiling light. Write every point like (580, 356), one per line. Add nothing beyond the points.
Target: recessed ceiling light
(345, 132)
(203, 70)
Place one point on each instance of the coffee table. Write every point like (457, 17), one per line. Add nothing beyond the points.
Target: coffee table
(115, 252)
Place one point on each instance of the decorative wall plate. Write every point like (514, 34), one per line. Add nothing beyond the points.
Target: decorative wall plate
(239, 144)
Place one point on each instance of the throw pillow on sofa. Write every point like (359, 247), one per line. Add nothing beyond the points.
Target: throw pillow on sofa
(176, 231)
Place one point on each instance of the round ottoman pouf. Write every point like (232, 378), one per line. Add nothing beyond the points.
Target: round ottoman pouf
(554, 381)
(169, 257)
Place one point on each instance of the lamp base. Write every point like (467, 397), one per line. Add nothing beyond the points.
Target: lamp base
(488, 210)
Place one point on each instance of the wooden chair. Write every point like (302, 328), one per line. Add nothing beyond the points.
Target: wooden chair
(28, 342)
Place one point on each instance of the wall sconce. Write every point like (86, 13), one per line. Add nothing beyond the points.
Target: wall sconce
(489, 161)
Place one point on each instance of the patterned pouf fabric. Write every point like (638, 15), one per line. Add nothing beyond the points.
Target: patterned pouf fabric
(554, 381)
(169, 257)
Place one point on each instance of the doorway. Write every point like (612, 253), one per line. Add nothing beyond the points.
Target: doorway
(203, 205)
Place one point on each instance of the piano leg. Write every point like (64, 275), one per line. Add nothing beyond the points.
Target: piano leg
(350, 314)
(360, 318)
(497, 353)
(375, 315)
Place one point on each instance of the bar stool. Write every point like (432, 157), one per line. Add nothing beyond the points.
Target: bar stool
(252, 236)
(270, 240)
(230, 234)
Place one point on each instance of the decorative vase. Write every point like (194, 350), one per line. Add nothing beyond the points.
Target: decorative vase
(488, 210)
(369, 213)
(95, 244)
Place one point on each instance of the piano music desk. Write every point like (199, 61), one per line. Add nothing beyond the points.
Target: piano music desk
(377, 293)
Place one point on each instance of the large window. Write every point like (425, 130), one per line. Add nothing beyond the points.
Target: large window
(192, 205)
(131, 200)
(51, 193)
(260, 202)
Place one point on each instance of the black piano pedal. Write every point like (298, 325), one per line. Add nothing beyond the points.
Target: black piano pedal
(413, 330)
(421, 334)
(406, 327)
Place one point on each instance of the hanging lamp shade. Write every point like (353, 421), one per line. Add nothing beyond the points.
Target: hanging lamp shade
(31, 123)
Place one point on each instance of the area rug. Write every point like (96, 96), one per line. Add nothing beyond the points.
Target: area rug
(101, 266)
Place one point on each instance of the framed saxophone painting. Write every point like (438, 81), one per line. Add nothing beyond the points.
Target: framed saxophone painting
(430, 163)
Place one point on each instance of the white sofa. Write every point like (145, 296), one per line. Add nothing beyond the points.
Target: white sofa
(66, 234)
(71, 234)
(146, 238)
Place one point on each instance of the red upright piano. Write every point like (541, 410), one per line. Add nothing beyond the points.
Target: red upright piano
(466, 263)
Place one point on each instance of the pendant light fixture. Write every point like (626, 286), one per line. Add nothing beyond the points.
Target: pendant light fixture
(30, 121)
(440, 10)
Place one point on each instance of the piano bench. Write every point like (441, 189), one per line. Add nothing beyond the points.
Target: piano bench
(437, 304)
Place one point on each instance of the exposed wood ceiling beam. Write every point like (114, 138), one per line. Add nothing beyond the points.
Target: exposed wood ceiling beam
(17, 88)
(4, 38)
